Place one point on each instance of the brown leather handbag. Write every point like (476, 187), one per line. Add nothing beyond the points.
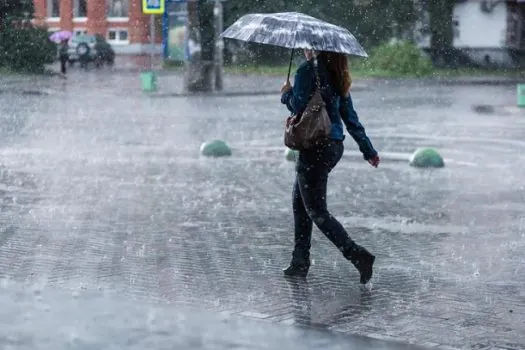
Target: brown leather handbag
(303, 131)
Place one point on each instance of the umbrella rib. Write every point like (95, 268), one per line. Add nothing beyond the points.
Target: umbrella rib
(249, 39)
(295, 31)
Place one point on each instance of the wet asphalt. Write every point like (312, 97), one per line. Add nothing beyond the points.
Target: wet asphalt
(102, 189)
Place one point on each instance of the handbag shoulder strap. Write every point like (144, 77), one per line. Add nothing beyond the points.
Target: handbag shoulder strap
(317, 90)
(316, 72)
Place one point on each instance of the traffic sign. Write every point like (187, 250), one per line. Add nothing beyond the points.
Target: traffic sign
(153, 7)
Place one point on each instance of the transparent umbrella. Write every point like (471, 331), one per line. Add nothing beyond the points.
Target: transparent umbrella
(294, 30)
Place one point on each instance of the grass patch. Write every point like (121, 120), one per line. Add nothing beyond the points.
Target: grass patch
(400, 59)
(365, 68)
(173, 65)
(258, 70)
(6, 71)
(283, 71)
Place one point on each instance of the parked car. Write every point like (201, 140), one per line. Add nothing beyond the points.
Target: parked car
(90, 48)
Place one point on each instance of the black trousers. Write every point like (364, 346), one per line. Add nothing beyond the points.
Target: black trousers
(63, 64)
(309, 200)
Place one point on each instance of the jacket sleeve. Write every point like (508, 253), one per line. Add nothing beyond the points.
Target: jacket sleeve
(355, 128)
(297, 98)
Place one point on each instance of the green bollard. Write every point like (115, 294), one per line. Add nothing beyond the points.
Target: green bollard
(148, 80)
(216, 148)
(521, 95)
(426, 158)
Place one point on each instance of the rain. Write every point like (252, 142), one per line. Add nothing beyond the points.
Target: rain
(146, 184)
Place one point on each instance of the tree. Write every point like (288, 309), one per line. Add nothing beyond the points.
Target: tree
(23, 47)
(441, 31)
(371, 21)
(10, 11)
(375, 21)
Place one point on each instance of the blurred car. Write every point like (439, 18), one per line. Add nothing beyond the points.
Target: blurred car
(90, 48)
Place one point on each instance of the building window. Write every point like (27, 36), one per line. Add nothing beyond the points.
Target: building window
(53, 8)
(117, 8)
(118, 36)
(80, 8)
(123, 35)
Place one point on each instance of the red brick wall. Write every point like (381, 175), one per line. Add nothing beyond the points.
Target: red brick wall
(138, 24)
(96, 13)
(66, 14)
(40, 12)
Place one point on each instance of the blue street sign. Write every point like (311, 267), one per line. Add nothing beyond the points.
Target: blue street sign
(153, 7)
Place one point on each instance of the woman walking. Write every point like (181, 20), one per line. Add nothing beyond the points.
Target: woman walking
(63, 56)
(314, 165)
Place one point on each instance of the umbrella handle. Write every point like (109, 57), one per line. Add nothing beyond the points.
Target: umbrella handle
(290, 65)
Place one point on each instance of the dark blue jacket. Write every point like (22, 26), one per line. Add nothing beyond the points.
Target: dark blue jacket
(340, 109)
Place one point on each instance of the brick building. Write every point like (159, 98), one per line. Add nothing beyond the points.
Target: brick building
(121, 22)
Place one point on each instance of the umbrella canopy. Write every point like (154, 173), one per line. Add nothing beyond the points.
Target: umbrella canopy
(294, 30)
(60, 36)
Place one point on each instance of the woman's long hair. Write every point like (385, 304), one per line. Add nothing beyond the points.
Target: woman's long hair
(338, 72)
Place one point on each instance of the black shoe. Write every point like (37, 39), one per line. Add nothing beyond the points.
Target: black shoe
(296, 270)
(363, 260)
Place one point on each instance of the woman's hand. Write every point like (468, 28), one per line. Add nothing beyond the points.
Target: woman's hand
(374, 161)
(286, 87)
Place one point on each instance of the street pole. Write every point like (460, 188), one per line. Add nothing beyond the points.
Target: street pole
(152, 40)
(149, 78)
(193, 73)
(219, 45)
(200, 67)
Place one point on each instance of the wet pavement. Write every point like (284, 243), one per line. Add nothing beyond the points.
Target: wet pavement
(41, 318)
(102, 189)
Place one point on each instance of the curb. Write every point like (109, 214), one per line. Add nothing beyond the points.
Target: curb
(212, 94)
(467, 81)
(483, 81)
(273, 92)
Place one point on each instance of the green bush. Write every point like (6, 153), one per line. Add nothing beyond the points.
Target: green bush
(402, 58)
(26, 49)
